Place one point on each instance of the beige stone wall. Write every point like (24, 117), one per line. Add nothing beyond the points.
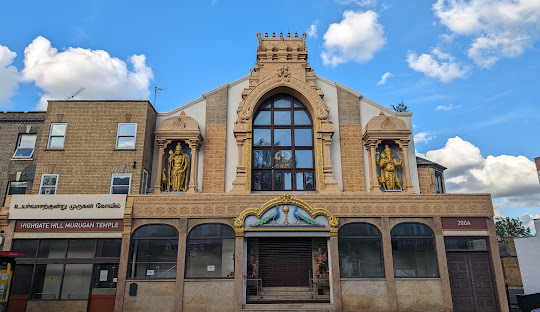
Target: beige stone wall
(364, 295)
(57, 306)
(208, 295)
(215, 142)
(350, 133)
(419, 295)
(425, 179)
(89, 156)
(151, 296)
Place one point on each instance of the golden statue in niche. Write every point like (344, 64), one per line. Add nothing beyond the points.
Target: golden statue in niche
(388, 164)
(178, 171)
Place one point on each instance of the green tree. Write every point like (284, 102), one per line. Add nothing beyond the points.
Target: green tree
(400, 107)
(510, 227)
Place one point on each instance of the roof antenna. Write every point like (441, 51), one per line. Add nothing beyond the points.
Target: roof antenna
(75, 94)
(156, 89)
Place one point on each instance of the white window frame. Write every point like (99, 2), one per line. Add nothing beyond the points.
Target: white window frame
(51, 136)
(43, 178)
(19, 143)
(134, 135)
(120, 175)
(144, 184)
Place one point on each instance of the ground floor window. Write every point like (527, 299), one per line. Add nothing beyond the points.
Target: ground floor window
(210, 251)
(360, 251)
(413, 251)
(63, 269)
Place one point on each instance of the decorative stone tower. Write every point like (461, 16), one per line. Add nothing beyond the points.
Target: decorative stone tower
(282, 67)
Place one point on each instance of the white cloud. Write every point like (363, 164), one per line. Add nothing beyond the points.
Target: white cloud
(446, 108)
(510, 178)
(528, 220)
(312, 31)
(385, 77)
(9, 76)
(356, 38)
(422, 137)
(498, 28)
(442, 66)
(59, 74)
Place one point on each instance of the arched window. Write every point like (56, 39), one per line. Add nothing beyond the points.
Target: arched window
(413, 251)
(153, 252)
(210, 251)
(283, 146)
(360, 251)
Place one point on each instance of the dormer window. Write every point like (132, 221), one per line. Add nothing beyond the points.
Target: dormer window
(283, 146)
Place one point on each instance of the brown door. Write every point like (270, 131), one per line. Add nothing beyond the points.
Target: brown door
(103, 287)
(471, 281)
(285, 262)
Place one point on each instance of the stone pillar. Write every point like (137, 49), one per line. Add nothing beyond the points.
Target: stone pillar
(162, 144)
(391, 293)
(181, 263)
(238, 272)
(497, 266)
(8, 238)
(330, 184)
(408, 187)
(335, 281)
(122, 272)
(443, 264)
(371, 146)
(239, 184)
(194, 146)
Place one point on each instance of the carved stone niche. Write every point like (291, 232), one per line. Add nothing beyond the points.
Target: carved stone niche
(181, 128)
(388, 129)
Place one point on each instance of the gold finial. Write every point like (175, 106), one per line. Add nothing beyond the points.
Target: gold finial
(286, 212)
(281, 35)
(296, 35)
(273, 34)
(289, 34)
(266, 35)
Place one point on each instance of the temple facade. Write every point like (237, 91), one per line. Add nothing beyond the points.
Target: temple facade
(279, 191)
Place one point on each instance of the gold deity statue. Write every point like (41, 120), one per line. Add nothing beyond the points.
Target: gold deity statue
(388, 179)
(178, 171)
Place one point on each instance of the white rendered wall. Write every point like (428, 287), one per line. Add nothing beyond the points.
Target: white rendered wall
(370, 109)
(330, 96)
(231, 153)
(197, 110)
(528, 254)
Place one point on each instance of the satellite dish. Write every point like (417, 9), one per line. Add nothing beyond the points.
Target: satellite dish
(29, 172)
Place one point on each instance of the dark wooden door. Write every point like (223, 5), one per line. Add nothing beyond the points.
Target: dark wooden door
(471, 281)
(285, 262)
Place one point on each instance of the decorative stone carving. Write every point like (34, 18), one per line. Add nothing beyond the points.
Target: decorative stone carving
(387, 128)
(178, 128)
(282, 67)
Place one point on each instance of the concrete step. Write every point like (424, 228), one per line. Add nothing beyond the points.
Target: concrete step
(289, 297)
(285, 289)
(296, 307)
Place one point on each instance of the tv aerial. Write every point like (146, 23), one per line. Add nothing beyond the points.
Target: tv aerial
(156, 89)
(75, 94)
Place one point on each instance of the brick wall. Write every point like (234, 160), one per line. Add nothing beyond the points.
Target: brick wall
(425, 179)
(512, 272)
(11, 125)
(350, 132)
(89, 157)
(215, 142)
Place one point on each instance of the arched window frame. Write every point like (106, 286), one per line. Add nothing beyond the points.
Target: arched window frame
(259, 175)
(364, 238)
(135, 249)
(190, 241)
(417, 239)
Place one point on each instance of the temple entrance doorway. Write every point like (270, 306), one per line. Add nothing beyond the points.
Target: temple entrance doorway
(290, 269)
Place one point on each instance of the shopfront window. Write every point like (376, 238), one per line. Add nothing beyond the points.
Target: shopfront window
(360, 251)
(153, 252)
(210, 251)
(413, 251)
(56, 269)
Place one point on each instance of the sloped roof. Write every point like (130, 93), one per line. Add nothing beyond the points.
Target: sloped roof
(424, 162)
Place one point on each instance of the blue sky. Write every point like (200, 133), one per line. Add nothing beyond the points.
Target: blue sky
(468, 70)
